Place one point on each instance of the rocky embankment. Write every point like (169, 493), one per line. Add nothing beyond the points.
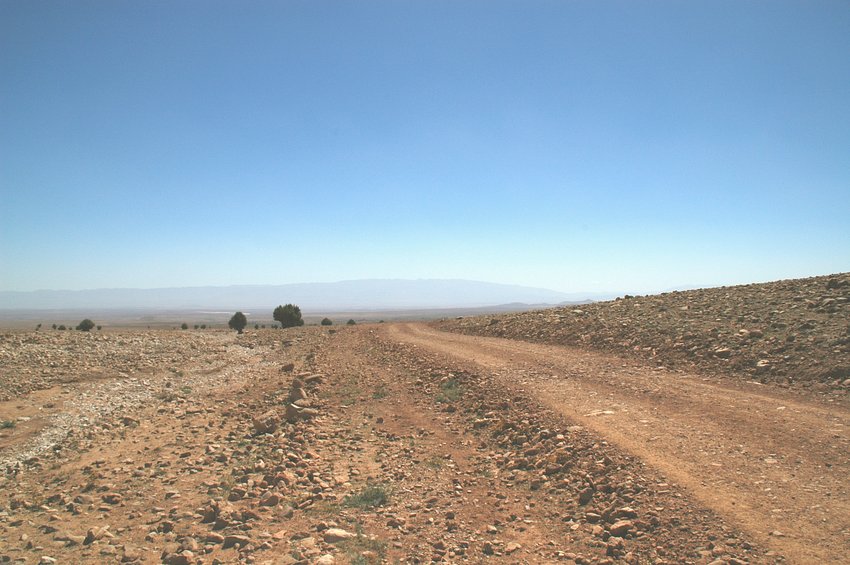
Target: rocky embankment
(792, 332)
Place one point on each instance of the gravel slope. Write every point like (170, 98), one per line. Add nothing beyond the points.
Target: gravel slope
(792, 332)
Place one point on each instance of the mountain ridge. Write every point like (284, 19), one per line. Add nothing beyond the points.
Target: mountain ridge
(368, 294)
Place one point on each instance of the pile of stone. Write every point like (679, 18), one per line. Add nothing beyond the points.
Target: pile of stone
(300, 405)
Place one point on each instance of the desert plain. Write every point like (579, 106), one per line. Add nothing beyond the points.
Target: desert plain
(707, 426)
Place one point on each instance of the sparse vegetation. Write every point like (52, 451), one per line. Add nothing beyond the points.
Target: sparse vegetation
(54, 326)
(184, 326)
(363, 550)
(327, 322)
(61, 327)
(238, 322)
(6, 424)
(350, 322)
(99, 328)
(85, 326)
(435, 462)
(371, 496)
(450, 391)
(289, 316)
(256, 326)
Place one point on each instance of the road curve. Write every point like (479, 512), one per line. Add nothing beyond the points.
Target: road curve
(774, 464)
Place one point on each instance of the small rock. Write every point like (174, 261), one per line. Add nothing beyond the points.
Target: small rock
(335, 535)
(265, 423)
(621, 528)
(723, 352)
(232, 540)
(270, 499)
(177, 559)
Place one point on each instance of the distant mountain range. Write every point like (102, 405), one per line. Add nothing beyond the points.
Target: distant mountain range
(374, 294)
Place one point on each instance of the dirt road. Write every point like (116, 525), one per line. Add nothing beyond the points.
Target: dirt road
(770, 463)
(401, 444)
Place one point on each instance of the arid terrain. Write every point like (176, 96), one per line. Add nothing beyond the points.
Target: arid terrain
(683, 428)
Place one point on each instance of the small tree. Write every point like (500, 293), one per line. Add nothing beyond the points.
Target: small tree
(289, 316)
(203, 326)
(184, 326)
(85, 326)
(54, 326)
(350, 322)
(238, 322)
(327, 322)
(256, 326)
(98, 328)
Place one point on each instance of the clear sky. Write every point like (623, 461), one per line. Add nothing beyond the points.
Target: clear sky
(578, 146)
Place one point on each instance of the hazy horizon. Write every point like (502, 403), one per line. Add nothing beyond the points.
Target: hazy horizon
(374, 294)
(578, 147)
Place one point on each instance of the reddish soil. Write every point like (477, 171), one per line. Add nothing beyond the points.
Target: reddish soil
(410, 445)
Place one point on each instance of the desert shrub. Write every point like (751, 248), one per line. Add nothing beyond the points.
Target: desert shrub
(450, 391)
(327, 322)
(371, 496)
(196, 326)
(289, 316)
(203, 326)
(6, 424)
(238, 322)
(54, 326)
(256, 326)
(85, 326)
(350, 322)
(184, 326)
(61, 327)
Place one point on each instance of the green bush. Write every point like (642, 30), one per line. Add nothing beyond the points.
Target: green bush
(370, 496)
(450, 391)
(350, 322)
(85, 326)
(184, 326)
(238, 322)
(327, 322)
(289, 316)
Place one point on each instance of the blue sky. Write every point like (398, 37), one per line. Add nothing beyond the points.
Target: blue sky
(578, 146)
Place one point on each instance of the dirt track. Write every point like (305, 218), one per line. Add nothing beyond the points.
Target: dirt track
(767, 461)
(488, 451)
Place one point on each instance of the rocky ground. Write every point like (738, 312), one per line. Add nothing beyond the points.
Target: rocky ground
(793, 332)
(39, 360)
(400, 443)
(318, 445)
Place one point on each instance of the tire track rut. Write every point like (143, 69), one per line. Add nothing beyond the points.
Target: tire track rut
(763, 458)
